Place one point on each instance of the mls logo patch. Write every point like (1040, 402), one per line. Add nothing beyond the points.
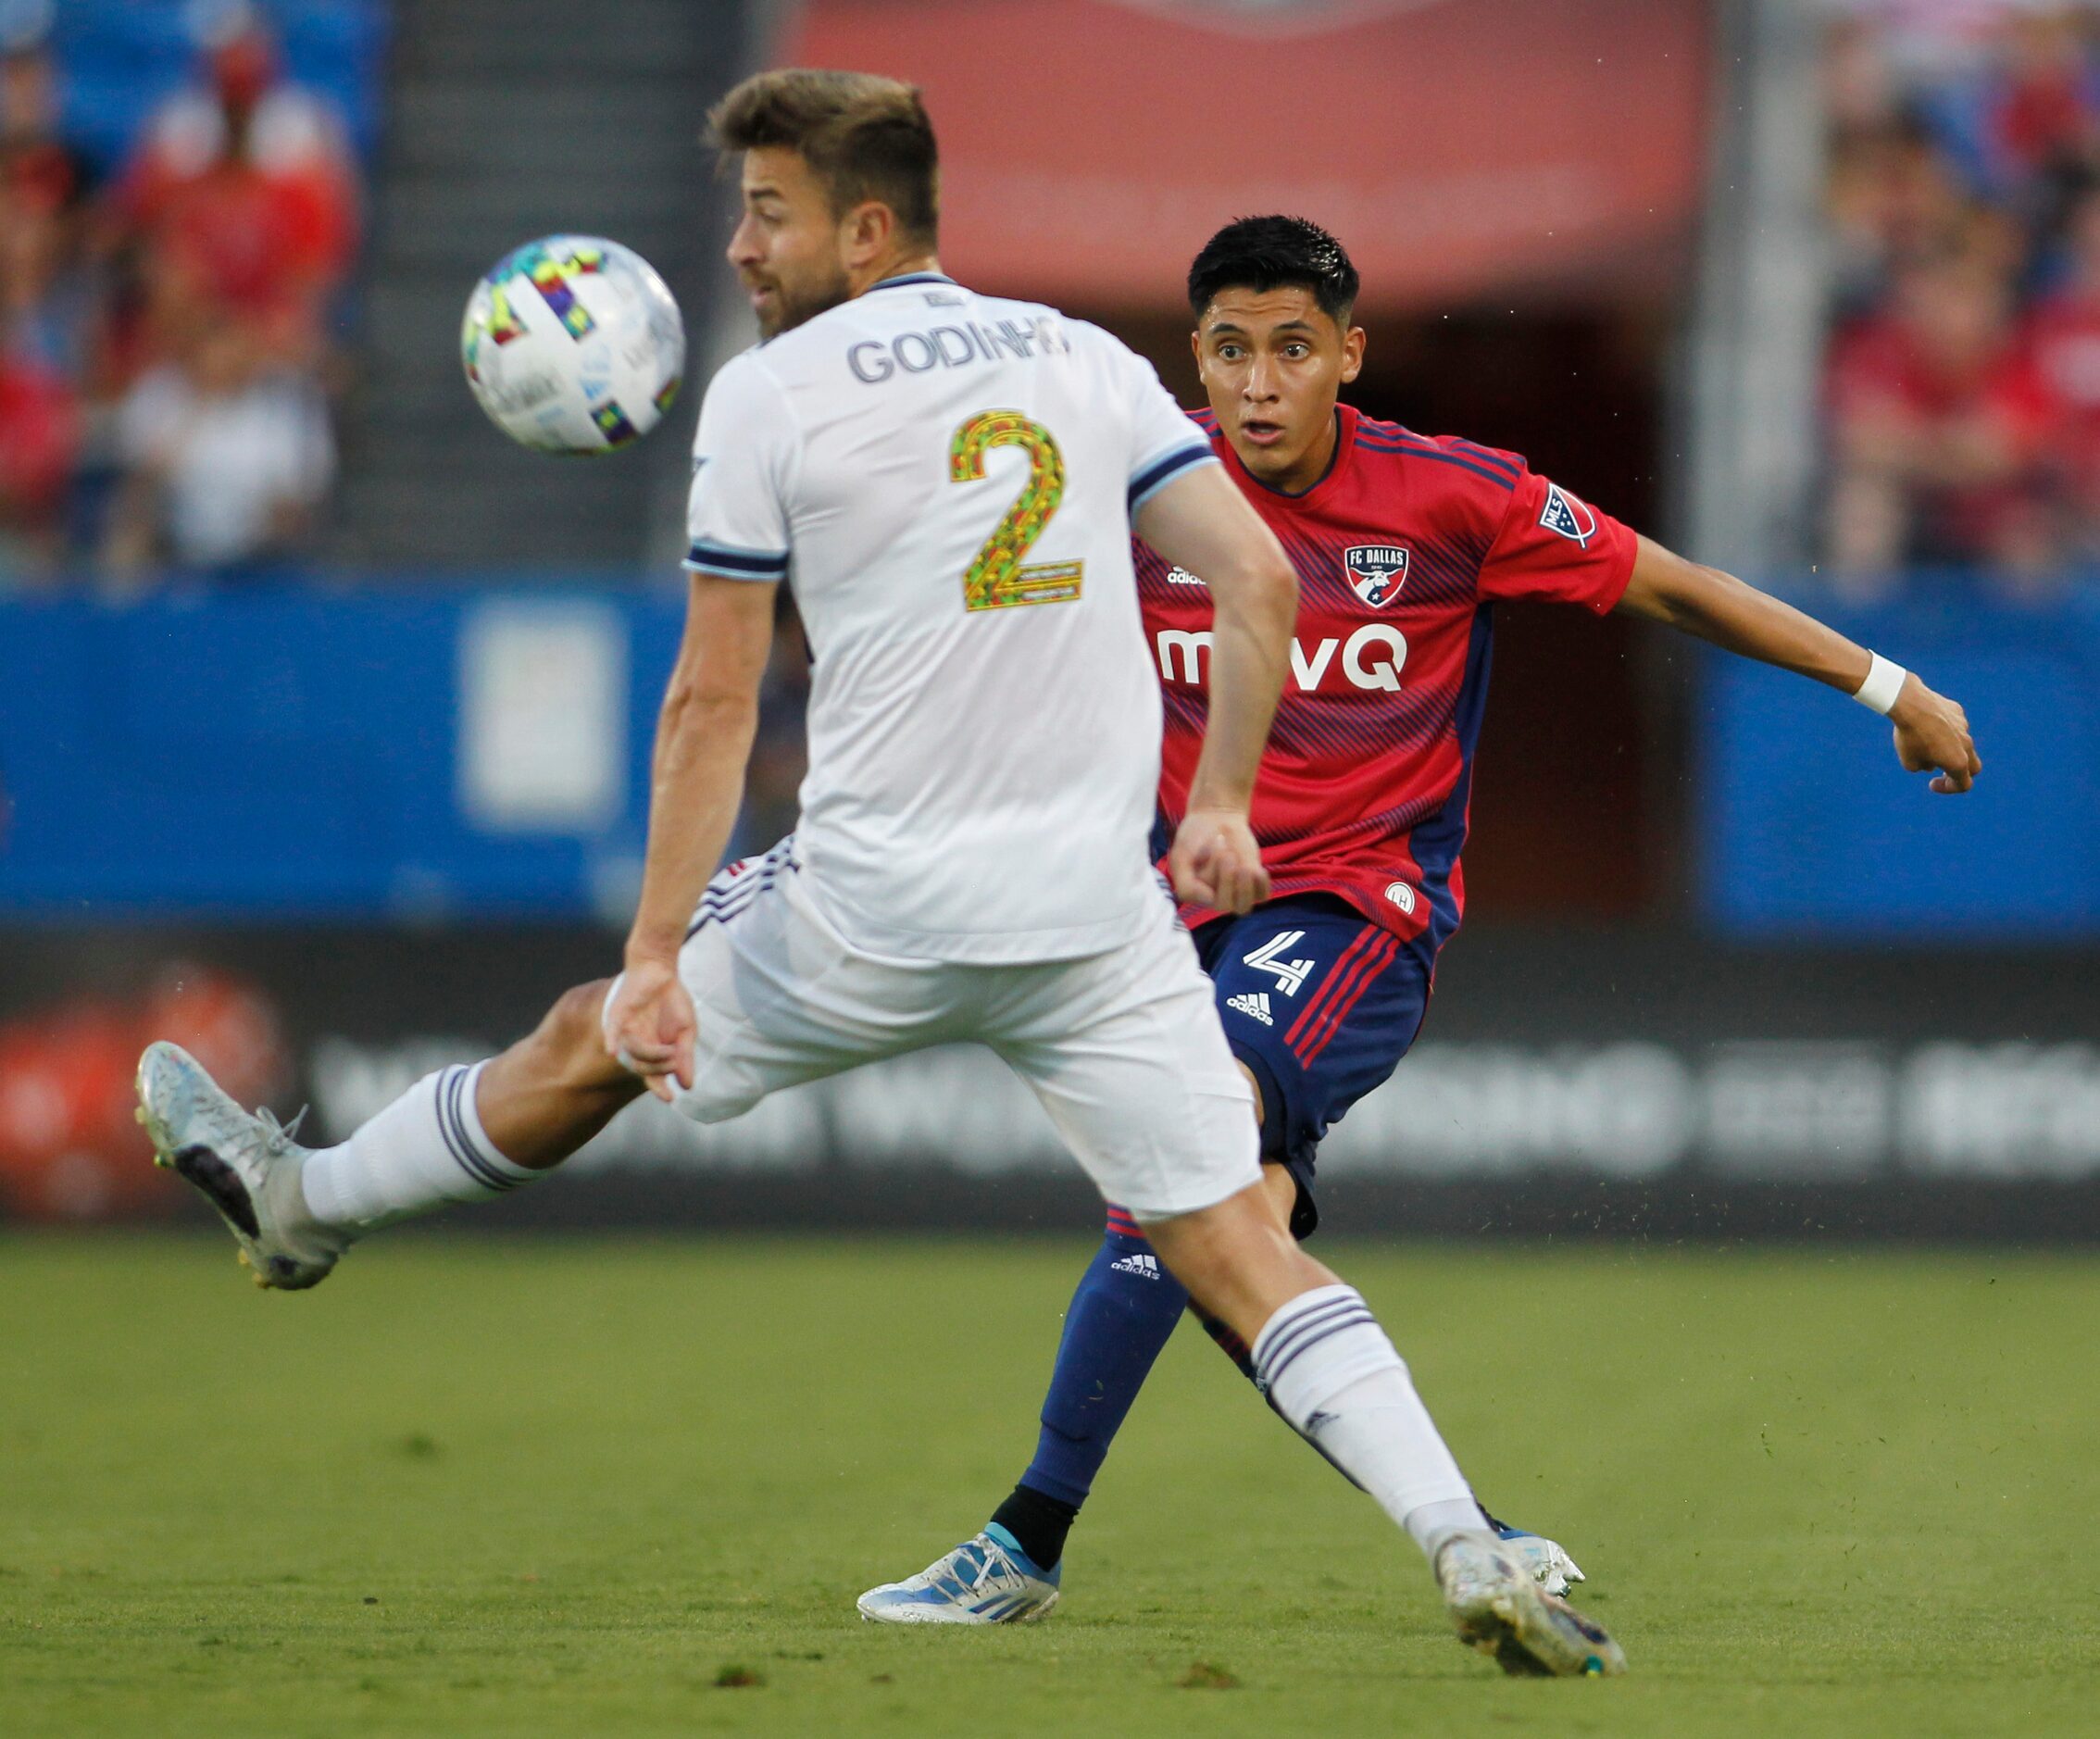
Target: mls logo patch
(1376, 570)
(1567, 516)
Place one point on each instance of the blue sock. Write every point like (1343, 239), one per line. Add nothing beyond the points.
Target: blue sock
(1121, 1315)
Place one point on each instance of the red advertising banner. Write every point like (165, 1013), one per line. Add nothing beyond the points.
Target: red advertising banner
(1456, 146)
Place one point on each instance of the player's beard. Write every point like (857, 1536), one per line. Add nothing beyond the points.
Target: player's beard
(794, 303)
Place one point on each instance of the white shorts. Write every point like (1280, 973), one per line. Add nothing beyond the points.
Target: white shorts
(1123, 1049)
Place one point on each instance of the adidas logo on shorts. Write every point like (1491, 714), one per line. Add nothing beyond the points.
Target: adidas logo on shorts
(1253, 1004)
(1146, 1266)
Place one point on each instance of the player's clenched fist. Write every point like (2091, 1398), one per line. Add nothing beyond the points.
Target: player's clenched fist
(1215, 862)
(650, 1026)
(1932, 732)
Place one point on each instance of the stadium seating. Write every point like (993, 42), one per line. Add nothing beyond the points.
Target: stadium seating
(122, 57)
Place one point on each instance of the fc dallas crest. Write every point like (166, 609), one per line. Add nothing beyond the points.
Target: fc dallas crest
(1377, 570)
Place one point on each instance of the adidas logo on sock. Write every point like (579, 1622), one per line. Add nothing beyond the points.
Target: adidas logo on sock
(1148, 1266)
(1255, 1004)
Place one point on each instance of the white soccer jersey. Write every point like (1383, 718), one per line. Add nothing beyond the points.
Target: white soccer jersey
(949, 479)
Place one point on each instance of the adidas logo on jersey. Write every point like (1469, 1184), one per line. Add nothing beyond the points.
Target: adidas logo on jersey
(1253, 1004)
(1144, 1267)
(1182, 577)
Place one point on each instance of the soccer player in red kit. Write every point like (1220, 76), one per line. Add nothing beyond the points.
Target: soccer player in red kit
(1404, 544)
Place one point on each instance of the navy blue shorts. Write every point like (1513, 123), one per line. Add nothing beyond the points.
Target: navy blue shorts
(1321, 1004)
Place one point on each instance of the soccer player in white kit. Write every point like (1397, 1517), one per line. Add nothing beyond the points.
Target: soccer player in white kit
(951, 480)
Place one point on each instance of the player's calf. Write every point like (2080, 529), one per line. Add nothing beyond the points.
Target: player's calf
(555, 1088)
(1238, 1259)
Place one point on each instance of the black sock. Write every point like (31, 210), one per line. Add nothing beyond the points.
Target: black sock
(1039, 1522)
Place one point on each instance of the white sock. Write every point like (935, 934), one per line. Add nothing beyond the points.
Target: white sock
(425, 1149)
(1333, 1373)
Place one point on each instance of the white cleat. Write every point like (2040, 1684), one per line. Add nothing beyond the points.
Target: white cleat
(986, 1581)
(1500, 1610)
(1547, 1561)
(246, 1167)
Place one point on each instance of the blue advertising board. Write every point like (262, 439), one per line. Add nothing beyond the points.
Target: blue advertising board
(299, 753)
(446, 753)
(1808, 830)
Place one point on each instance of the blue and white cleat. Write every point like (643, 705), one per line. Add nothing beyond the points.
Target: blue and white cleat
(1500, 1609)
(246, 1167)
(986, 1581)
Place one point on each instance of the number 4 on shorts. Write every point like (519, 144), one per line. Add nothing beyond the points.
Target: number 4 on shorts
(1290, 974)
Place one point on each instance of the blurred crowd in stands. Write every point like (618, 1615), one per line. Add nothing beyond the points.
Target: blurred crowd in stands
(1963, 373)
(166, 362)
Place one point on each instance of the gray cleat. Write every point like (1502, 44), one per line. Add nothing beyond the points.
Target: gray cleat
(1547, 1561)
(246, 1167)
(1502, 1611)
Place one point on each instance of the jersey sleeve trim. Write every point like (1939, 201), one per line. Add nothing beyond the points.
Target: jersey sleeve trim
(1156, 475)
(731, 563)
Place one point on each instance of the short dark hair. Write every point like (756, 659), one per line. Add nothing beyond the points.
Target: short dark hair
(863, 136)
(1275, 253)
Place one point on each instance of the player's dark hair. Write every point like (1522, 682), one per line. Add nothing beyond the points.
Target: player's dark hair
(863, 136)
(1275, 253)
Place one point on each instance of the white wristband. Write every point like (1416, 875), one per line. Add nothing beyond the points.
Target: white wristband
(1885, 682)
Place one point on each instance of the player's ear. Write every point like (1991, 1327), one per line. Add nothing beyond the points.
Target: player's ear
(1353, 342)
(866, 231)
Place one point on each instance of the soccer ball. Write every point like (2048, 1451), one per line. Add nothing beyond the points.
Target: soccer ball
(573, 345)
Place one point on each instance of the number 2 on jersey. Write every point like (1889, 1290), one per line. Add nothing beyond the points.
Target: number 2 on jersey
(997, 580)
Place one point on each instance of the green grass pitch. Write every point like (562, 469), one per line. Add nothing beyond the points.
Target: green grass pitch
(512, 1486)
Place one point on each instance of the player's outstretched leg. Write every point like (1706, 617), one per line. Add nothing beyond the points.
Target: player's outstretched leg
(466, 1134)
(1547, 1561)
(1329, 1370)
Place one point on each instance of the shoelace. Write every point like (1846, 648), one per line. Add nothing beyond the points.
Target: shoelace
(983, 1566)
(278, 1136)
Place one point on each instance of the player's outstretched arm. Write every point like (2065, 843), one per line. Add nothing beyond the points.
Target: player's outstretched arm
(1201, 522)
(704, 735)
(1931, 731)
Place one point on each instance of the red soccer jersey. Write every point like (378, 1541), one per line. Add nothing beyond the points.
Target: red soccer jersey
(1401, 549)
